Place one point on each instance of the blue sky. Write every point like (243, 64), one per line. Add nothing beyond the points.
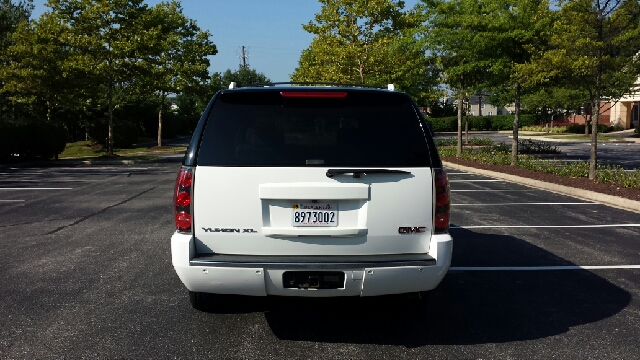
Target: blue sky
(270, 30)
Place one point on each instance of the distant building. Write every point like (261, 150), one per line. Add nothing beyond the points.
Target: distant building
(625, 112)
(479, 106)
(173, 103)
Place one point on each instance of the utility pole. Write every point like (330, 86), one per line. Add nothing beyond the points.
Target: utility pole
(244, 58)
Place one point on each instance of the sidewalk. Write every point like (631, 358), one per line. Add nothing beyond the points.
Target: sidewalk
(623, 136)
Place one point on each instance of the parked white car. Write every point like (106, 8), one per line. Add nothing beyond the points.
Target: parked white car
(311, 191)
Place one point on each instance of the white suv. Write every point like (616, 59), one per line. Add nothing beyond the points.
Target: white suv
(311, 191)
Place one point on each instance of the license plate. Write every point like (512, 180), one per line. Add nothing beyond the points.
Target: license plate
(314, 214)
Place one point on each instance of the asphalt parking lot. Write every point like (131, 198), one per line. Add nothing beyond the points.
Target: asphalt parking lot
(86, 272)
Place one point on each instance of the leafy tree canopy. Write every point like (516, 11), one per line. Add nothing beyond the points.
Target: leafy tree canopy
(369, 42)
(12, 14)
(242, 76)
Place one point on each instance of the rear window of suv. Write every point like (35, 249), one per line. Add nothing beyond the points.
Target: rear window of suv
(361, 129)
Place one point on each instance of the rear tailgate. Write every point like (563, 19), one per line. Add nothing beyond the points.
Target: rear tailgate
(265, 154)
(250, 211)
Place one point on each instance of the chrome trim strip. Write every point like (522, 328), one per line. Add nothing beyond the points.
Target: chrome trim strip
(312, 265)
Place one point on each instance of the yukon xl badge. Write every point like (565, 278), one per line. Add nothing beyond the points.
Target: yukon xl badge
(411, 230)
(228, 230)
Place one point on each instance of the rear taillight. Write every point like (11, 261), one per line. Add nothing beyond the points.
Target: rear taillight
(182, 200)
(443, 201)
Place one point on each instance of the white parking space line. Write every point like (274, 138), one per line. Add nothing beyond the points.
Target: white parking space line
(486, 190)
(80, 169)
(543, 226)
(460, 174)
(62, 173)
(476, 180)
(50, 180)
(539, 203)
(11, 200)
(540, 268)
(13, 188)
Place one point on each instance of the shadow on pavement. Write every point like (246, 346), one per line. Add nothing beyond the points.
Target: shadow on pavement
(469, 307)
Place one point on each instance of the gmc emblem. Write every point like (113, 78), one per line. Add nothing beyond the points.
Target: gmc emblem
(411, 230)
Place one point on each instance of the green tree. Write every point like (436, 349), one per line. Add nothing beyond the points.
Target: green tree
(520, 29)
(36, 69)
(594, 48)
(11, 14)
(174, 52)
(455, 32)
(548, 101)
(351, 39)
(104, 41)
(367, 42)
(242, 76)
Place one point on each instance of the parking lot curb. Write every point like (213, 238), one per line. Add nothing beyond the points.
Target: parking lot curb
(610, 200)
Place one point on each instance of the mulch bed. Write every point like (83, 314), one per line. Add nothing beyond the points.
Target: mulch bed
(581, 183)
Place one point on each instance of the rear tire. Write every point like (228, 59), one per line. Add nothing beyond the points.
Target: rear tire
(202, 301)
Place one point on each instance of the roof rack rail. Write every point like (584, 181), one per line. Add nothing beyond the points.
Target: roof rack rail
(390, 87)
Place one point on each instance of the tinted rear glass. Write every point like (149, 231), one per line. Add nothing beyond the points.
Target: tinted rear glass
(363, 129)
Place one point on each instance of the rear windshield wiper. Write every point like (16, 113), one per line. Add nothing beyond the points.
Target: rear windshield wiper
(358, 172)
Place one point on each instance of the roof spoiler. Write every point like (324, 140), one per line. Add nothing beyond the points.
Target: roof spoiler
(390, 87)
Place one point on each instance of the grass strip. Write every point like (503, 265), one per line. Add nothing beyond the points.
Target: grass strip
(84, 149)
(498, 155)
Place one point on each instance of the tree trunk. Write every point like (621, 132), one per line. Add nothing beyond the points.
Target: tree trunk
(160, 118)
(48, 111)
(110, 136)
(466, 125)
(480, 104)
(587, 123)
(593, 159)
(460, 105)
(516, 120)
(595, 110)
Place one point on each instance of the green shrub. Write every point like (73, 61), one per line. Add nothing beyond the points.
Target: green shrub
(538, 128)
(481, 141)
(442, 142)
(31, 140)
(446, 124)
(579, 129)
(452, 141)
(501, 155)
(527, 146)
(480, 123)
